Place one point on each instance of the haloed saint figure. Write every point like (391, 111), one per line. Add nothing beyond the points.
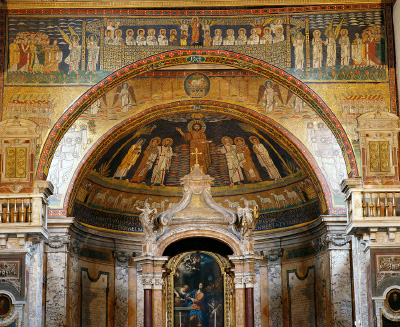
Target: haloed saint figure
(198, 292)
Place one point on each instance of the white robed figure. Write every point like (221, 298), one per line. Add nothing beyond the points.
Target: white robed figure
(298, 44)
(330, 49)
(235, 170)
(263, 158)
(317, 49)
(344, 42)
(93, 53)
(357, 50)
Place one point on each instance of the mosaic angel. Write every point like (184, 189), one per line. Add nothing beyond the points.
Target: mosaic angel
(267, 93)
(330, 42)
(126, 93)
(74, 57)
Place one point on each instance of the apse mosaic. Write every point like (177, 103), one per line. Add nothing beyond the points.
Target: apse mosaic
(232, 152)
(146, 166)
(314, 46)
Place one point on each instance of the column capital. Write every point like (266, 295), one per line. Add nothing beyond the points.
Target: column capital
(239, 282)
(122, 257)
(57, 243)
(147, 280)
(249, 279)
(75, 247)
(158, 281)
(272, 255)
(339, 241)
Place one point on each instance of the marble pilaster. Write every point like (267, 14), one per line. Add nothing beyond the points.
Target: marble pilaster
(140, 298)
(132, 295)
(360, 255)
(35, 295)
(73, 284)
(321, 289)
(121, 296)
(275, 293)
(121, 287)
(264, 300)
(56, 286)
(340, 279)
(257, 297)
(73, 292)
(240, 306)
(157, 297)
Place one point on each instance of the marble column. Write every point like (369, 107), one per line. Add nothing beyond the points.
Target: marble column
(73, 283)
(275, 291)
(35, 293)
(249, 280)
(121, 287)
(56, 286)
(249, 299)
(148, 307)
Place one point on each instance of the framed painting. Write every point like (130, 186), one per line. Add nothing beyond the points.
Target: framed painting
(199, 290)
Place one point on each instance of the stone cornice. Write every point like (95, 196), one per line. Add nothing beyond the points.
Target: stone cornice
(19, 4)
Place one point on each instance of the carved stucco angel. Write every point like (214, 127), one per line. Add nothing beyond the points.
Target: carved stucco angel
(247, 219)
(146, 219)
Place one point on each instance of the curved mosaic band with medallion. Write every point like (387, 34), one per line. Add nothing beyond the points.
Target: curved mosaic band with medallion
(184, 57)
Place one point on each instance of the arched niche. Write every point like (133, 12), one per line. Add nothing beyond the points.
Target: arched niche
(186, 233)
(184, 57)
(197, 244)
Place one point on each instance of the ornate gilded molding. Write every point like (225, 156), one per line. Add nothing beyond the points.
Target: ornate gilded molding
(18, 4)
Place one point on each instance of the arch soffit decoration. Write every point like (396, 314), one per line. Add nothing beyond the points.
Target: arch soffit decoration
(183, 57)
(287, 140)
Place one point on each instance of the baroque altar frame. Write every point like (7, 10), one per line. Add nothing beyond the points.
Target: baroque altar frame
(228, 288)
